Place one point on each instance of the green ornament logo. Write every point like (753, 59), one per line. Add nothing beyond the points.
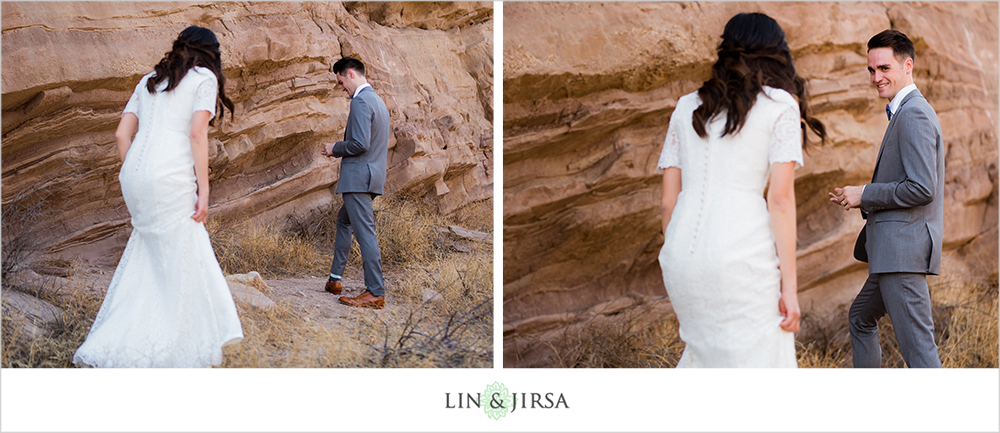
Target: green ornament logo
(496, 400)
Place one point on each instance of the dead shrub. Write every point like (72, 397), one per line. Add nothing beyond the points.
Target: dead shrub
(964, 310)
(26, 220)
(476, 216)
(405, 230)
(453, 330)
(620, 341)
(251, 245)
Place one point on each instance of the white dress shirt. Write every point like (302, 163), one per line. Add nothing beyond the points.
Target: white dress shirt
(358, 90)
(898, 99)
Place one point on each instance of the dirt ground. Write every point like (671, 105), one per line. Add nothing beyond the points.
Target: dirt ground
(305, 295)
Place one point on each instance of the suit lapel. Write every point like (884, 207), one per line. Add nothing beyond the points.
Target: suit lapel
(892, 124)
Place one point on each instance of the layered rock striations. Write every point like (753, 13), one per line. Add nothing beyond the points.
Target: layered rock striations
(589, 89)
(70, 67)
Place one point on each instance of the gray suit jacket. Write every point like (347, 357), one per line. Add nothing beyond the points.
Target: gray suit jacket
(905, 201)
(364, 151)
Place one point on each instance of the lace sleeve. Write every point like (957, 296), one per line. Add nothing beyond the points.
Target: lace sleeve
(670, 155)
(786, 139)
(205, 96)
(133, 102)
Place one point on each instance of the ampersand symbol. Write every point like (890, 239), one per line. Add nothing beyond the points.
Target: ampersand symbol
(494, 404)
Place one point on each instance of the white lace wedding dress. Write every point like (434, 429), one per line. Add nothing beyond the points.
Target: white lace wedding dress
(168, 304)
(719, 262)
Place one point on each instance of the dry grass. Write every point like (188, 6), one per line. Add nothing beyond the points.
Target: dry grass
(623, 342)
(252, 245)
(405, 230)
(824, 342)
(280, 338)
(476, 216)
(274, 338)
(965, 313)
(79, 305)
(455, 331)
(966, 322)
(965, 329)
(405, 233)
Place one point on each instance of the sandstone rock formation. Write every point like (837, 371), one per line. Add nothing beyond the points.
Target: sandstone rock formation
(588, 92)
(69, 68)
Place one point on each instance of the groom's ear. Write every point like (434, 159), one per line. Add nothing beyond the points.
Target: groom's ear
(908, 66)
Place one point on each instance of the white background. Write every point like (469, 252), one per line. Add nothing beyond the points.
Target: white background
(414, 400)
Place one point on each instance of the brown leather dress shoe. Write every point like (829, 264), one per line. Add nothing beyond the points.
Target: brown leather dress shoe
(365, 300)
(334, 287)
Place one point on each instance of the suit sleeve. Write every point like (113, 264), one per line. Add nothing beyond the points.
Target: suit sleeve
(918, 153)
(359, 122)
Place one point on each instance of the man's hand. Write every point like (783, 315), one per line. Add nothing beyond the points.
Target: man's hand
(327, 149)
(849, 196)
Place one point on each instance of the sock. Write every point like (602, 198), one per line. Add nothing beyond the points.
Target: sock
(334, 277)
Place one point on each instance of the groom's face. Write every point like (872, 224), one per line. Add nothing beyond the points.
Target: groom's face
(887, 73)
(346, 82)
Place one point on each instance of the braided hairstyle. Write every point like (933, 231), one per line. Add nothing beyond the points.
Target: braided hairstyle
(753, 54)
(195, 46)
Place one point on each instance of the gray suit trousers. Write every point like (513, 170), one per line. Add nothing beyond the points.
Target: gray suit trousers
(358, 217)
(907, 300)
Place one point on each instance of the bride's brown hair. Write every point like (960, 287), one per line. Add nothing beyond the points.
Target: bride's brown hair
(195, 46)
(753, 54)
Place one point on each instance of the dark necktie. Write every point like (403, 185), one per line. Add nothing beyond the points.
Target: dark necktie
(888, 114)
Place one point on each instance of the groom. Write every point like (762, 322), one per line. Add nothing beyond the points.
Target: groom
(904, 209)
(363, 156)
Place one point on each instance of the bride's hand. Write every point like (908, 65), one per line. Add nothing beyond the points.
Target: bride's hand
(201, 208)
(788, 306)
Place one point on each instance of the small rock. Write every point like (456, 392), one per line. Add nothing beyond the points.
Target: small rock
(299, 293)
(461, 248)
(249, 295)
(50, 270)
(429, 295)
(252, 279)
(465, 233)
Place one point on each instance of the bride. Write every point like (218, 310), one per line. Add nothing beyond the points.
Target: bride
(728, 255)
(168, 304)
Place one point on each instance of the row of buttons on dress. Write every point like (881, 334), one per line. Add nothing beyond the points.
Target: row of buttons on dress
(706, 158)
(148, 128)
